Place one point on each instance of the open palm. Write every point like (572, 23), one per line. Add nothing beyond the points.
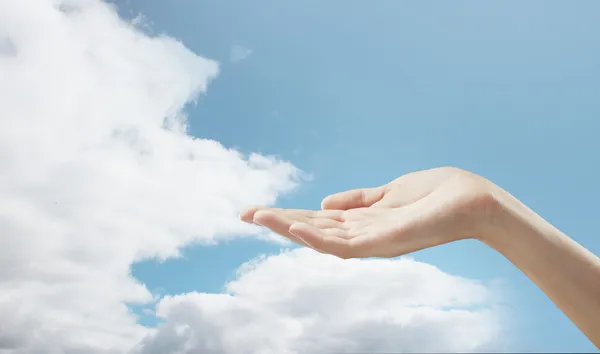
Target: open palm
(415, 211)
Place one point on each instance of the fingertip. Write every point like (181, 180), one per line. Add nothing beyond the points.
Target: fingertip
(315, 239)
(261, 216)
(299, 226)
(354, 198)
(248, 214)
(296, 230)
(328, 202)
(340, 201)
(245, 216)
(293, 227)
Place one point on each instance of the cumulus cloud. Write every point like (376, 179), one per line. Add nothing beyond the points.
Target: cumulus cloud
(239, 53)
(304, 302)
(97, 171)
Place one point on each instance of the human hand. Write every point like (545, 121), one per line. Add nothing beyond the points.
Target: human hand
(415, 211)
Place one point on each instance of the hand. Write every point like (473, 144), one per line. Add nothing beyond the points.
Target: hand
(429, 208)
(415, 211)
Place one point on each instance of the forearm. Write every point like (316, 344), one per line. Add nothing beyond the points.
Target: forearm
(564, 270)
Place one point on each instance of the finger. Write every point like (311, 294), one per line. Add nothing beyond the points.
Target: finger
(327, 219)
(277, 222)
(334, 215)
(248, 214)
(318, 239)
(326, 223)
(337, 232)
(356, 198)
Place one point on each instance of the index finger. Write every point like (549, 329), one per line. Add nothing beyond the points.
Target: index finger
(337, 215)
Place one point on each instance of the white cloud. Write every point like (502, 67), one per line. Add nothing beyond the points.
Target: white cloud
(304, 302)
(239, 53)
(97, 171)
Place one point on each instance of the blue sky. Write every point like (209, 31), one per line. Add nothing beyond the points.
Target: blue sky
(357, 93)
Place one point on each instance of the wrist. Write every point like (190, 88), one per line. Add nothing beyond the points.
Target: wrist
(507, 219)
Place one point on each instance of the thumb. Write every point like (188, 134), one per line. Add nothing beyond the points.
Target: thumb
(355, 198)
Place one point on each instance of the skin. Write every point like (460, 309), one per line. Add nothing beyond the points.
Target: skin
(432, 207)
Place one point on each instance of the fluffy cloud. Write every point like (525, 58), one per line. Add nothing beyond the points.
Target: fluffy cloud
(97, 171)
(305, 302)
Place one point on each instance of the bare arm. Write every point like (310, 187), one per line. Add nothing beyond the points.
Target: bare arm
(564, 270)
(432, 207)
